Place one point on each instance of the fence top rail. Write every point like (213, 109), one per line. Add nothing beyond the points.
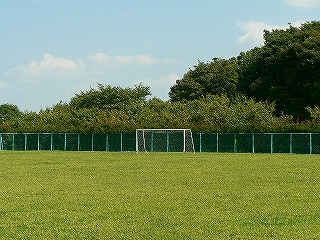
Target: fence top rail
(34, 133)
(65, 132)
(257, 133)
(165, 129)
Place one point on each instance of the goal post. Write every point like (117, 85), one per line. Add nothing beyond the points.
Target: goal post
(164, 140)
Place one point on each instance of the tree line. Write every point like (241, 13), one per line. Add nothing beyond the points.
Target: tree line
(114, 109)
(285, 71)
(272, 88)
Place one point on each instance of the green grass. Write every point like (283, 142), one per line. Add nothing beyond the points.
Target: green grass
(86, 195)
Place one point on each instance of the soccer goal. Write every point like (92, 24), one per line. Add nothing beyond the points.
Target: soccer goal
(164, 140)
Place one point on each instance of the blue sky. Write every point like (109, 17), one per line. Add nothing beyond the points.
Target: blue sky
(51, 50)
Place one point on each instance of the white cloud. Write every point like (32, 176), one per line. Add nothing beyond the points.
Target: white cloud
(51, 79)
(123, 59)
(66, 76)
(50, 65)
(2, 85)
(303, 3)
(254, 31)
(139, 59)
(99, 58)
(52, 62)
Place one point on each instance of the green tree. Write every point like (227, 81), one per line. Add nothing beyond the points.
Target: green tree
(286, 70)
(217, 77)
(8, 111)
(109, 97)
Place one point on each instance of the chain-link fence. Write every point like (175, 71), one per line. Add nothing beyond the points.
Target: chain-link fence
(295, 143)
(113, 142)
(298, 143)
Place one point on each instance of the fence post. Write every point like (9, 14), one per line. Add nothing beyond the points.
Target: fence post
(168, 140)
(217, 142)
(121, 142)
(13, 142)
(200, 142)
(25, 141)
(310, 139)
(107, 143)
(38, 141)
(184, 140)
(78, 136)
(151, 141)
(235, 142)
(253, 150)
(51, 141)
(92, 142)
(65, 142)
(137, 143)
(290, 143)
(271, 142)
(1, 148)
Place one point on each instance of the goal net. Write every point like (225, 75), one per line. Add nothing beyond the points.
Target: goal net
(164, 140)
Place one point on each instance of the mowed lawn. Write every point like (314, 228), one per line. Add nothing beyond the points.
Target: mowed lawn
(100, 195)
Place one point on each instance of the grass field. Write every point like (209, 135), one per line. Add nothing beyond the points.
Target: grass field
(99, 195)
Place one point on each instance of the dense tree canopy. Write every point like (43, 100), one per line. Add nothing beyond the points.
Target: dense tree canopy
(8, 111)
(215, 78)
(213, 113)
(285, 70)
(110, 97)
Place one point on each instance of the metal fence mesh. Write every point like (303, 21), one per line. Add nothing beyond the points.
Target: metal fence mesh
(295, 143)
(262, 143)
(45, 142)
(315, 143)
